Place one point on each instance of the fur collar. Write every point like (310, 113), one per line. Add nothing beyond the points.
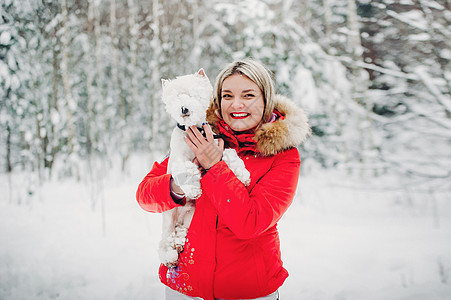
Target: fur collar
(280, 135)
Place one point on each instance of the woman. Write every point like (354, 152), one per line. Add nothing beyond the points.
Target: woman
(232, 250)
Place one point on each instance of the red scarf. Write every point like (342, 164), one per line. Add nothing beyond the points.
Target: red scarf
(242, 141)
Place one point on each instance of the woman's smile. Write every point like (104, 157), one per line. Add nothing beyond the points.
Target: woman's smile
(239, 115)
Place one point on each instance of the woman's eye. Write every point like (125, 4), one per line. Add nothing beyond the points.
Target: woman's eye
(247, 96)
(226, 96)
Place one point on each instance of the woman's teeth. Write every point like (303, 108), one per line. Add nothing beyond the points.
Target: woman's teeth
(239, 115)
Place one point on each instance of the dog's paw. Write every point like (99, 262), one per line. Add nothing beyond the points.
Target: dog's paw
(192, 190)
(180, 174)
(180, 238)
(169, 257)
(191, 185)
(243, 175)
(237, 166)
(192, 169)
(172, 264)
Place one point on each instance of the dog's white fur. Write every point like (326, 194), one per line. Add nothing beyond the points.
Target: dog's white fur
(186, 99)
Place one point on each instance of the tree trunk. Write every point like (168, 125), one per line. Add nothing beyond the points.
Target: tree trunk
(53, 110)
(155, 67)
(9, 166)
(335, 109)
(133, 31)
(361, 80)
(115, 59)
(327, 22)
(99, 63)
(65, 77)
(91, 143)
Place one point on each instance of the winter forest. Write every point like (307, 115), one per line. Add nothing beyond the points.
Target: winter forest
(81, 123)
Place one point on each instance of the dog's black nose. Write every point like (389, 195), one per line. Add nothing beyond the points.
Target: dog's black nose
(185, 110)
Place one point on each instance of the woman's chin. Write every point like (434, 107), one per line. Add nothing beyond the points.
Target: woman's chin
(240, 128)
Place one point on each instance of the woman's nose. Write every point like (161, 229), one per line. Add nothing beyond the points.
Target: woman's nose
(237, 103)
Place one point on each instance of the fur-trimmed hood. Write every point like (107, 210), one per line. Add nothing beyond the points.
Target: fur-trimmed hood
(277, 136)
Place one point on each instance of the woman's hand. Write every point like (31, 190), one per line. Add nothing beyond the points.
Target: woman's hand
(207, 151)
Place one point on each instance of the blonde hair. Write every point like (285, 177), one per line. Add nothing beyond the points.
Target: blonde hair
(255, 71)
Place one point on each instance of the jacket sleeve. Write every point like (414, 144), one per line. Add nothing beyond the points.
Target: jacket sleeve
(249, 214)
(154, 194)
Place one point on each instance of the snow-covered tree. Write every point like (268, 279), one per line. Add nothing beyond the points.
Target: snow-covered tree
(9, 82)
(407, 54)
(82, 79)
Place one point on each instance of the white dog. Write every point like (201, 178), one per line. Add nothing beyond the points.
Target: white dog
(187, 99)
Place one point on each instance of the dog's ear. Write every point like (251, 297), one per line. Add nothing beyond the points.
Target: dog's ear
(201, 72)
(164, 81)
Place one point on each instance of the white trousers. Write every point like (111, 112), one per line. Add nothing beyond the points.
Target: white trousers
(174, 295)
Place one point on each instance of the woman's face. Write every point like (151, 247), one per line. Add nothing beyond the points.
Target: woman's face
(242, 102)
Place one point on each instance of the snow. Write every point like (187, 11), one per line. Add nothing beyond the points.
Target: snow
(53, 244)
(4, 72)
(413, 18)
(428, 82)
(421, 37)
(5, 38)
(446, 54)
(340, 240)
(361, 245)
(306, 90)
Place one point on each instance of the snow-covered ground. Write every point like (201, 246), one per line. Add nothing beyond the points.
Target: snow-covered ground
(341, 239)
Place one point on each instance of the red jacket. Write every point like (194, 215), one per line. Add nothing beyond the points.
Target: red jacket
(232, 248)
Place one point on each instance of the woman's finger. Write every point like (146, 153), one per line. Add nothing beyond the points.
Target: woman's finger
(221, 144)
(190, 134)
(196, 161)
(208, 133)
(190, 144)
(197, 134)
